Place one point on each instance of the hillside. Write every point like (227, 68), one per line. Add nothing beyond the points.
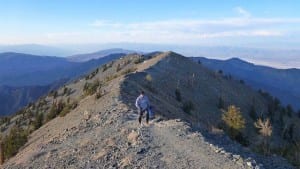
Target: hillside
(92, 123)
(281, 83)
(14, 98)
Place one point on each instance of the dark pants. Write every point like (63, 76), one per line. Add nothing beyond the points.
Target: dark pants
(141, 115)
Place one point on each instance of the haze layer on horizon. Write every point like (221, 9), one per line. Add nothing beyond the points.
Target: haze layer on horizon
(263, 24)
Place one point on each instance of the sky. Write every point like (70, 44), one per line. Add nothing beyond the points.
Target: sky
(255, 23)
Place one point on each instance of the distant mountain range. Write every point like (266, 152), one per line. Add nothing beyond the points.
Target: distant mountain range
(24, 78)
(17, 69)
(26, 73)
(99, 54)
(281, 83)
(36, 49)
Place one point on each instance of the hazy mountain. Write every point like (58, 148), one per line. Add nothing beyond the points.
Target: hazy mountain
(96, 124)
(282, 83)
(17, 69)
(279, 58)
(24, 78)
(99, 54)
(35, 49)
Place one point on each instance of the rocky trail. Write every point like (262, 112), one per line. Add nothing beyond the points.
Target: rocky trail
(114, 139)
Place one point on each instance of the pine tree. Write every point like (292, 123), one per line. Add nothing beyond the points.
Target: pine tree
(253, 113)
(221, 103)
(178, 94)
(234, 121)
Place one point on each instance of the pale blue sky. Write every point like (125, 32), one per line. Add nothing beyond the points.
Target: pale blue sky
(255, 23)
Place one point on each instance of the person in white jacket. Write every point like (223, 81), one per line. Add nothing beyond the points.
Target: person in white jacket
(143, 104)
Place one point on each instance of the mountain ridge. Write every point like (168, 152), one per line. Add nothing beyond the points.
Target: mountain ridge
(102, 131)
(282, 83)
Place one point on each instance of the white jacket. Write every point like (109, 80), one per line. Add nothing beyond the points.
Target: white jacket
(142, 102)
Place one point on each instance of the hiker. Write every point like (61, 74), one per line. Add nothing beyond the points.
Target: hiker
(143, 104)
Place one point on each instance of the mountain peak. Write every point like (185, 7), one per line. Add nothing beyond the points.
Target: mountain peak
(235, 59)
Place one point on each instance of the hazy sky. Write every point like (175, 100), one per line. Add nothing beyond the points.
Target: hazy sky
(255, 23)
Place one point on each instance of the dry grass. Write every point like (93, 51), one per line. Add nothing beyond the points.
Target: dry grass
(100, 154)
(265, 127)
(133, 137)
(126, 161)
(110, 142)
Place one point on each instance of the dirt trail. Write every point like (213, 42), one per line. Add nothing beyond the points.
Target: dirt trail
(177, 148)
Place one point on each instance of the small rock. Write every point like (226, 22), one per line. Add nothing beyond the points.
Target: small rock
(236, 156)
(141, 151)
(86, 115)
(240, 161)
(249, 164)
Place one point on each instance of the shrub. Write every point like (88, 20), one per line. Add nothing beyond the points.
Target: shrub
(38, 122)
(104, 67)
(91, 88)
(178, 94)
(65, 90)
(91, 75)
(55, 109)
(265, 127)
(98, 95)
(138, 60)
(187, 107)
(16, 138)
(107, 66)
(67, 108)
(148, 78)
(234, 121)
(5, 120)
(111, 77)
(118, 67)
(55, 94)
(129, 70)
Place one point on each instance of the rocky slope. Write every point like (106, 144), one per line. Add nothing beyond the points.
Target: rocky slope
(102, 131)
